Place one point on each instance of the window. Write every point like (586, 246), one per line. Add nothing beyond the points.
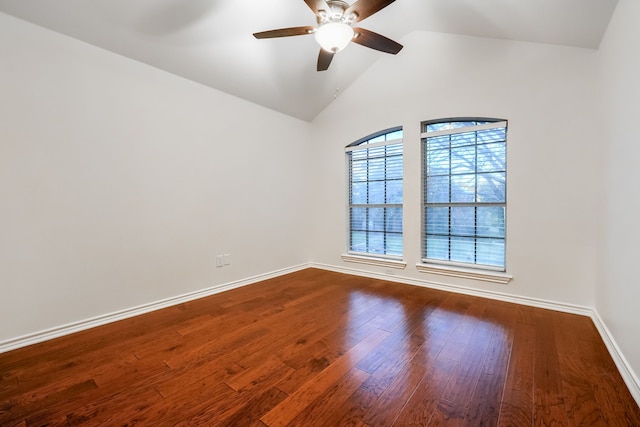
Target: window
(464, 163)
(375, 194)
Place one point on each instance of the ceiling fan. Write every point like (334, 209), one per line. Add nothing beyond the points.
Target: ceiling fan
(335, 28)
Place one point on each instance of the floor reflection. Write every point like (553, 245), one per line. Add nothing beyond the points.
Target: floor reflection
(438, 343)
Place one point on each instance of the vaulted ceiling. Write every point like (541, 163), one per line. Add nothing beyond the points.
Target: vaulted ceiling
(211, 42)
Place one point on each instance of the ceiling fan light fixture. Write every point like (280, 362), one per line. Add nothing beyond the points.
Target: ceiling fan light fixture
(334, 36)
(335, 28)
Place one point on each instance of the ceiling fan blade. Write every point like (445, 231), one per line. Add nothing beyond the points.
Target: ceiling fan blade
(376, 41)
(324, 60)
(366, 8)
(317, 5)
(285, 32)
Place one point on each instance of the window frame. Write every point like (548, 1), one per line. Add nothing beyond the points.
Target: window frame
(366, 143)
(475, 270)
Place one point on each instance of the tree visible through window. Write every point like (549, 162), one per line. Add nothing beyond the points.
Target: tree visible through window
(375, 194)
(465, 191)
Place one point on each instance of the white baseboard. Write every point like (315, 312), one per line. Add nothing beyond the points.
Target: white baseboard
(627, 373)
(82, 325)
(499, 296)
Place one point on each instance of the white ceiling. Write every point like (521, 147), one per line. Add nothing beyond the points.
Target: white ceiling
(211, 42)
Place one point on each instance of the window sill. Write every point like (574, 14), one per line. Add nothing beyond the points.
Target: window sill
(466, 273)
(380, 262)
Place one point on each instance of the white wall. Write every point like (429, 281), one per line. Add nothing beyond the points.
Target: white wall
(554, 170)
(619, 293)
(120, 183)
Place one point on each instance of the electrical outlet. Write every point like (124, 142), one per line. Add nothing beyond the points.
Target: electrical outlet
(219, 260)
(227, 259)
(390, 271)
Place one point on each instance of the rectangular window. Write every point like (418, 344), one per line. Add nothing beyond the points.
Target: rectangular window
(375, 195)
(464, 208)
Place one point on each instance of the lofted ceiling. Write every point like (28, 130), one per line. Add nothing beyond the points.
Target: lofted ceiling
(211, 42)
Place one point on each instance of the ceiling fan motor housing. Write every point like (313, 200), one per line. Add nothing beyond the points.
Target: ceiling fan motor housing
(336, 13)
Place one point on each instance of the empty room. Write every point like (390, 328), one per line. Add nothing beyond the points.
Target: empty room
(319, 213)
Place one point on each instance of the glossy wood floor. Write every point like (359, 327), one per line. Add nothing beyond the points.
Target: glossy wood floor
(316, 348)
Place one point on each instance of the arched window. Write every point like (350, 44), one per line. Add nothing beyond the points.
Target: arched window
(375, 194)
(465, 198)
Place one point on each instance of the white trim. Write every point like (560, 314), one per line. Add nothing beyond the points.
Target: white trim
(466, 273)
(465, 129)
(380, 262)
(59, 331)
(350, 148)
(629, 377)
(499, 296)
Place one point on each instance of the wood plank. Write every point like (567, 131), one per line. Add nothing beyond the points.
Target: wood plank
(257, 373)
(217, 411)
(42, 404)
(248, 414)
(312, 389)
(422, 405)
(111, 408)
(352, 410)
(484, 406)
(517, 401)
(580, 403)
(394, 398)
(320, 411)
(549, 398)
(453, 404)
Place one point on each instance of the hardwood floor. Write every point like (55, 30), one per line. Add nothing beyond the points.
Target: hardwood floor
(317, 348)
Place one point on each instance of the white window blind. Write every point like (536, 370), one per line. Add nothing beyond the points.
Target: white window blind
(375, 194)
(464, 163)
